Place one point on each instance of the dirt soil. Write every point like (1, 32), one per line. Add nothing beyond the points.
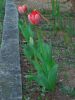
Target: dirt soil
(64, 56)
(65, 5)
(66, 76)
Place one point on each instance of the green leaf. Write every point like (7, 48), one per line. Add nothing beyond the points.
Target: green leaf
(38, 67)
(68, 90)
(52, 77)
(28, 52)
(42, 80)
(30, 77)
(25, 30)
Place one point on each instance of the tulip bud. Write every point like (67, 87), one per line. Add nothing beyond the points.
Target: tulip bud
(34, 17)
(22, 9)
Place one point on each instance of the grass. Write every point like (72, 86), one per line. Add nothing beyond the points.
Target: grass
(1, 18)
(1, 26)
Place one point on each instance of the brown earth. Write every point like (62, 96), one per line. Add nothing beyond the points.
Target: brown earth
(64, 56)
(66, 76)
(44, 4)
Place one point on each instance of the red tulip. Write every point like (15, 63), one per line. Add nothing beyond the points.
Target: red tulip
(34, 17)
(22, 9)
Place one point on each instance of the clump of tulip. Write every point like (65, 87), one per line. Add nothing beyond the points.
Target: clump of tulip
(39, 54)
(22, 9)
(34, 17)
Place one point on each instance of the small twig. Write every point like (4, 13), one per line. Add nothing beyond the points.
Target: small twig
(44, 18)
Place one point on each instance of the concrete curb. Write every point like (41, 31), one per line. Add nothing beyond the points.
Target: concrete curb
(10, 72)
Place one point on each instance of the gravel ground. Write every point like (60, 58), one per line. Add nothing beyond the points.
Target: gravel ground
(64, 56)
(46, 4)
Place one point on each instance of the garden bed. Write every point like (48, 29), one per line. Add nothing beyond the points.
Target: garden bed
(66, 78)
(63, 52)
(64, 55)
(44, 4)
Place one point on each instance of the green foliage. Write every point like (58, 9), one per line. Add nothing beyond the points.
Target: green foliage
(46, 68)
(55, 8)
(1, 17)
(40, 56)
(59, 21)
(25, 30)
(68, 90)
(1, 6)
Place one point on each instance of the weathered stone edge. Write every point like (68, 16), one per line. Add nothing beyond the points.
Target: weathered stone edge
(10, 72)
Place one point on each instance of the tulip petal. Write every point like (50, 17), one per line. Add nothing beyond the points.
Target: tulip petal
(20, 10)
(24, 8)
(34, 17)
(37, 19)
(29, 18)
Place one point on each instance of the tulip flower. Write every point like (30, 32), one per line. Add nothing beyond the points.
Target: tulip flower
(34, 17)
(22, 9)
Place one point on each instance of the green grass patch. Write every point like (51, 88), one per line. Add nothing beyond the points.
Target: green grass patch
(2, 2)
